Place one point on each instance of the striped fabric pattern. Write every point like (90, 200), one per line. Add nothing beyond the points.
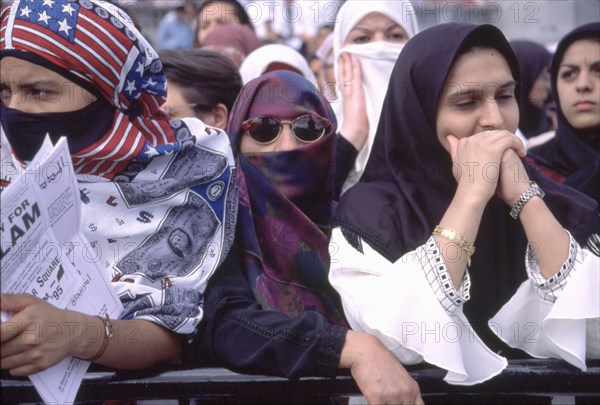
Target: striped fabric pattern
(98, 42)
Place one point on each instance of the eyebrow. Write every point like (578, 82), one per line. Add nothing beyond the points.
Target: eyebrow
(41, 83)
(461, 93)
(574, 65)
(38, 83)
(569, 65)
(367, 29)
(394, 25)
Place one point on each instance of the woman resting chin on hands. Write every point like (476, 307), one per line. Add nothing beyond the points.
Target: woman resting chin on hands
(450, 249)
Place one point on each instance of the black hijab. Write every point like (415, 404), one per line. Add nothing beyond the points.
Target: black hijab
(573, 153)
(533, 58)
(408, 185)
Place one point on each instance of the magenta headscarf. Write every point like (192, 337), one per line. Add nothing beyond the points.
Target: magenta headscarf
(286, 200)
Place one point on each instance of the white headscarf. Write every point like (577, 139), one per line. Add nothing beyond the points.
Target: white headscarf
(377, 61)
(259, 60)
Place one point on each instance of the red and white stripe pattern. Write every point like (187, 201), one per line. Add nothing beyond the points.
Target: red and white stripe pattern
(96, 41)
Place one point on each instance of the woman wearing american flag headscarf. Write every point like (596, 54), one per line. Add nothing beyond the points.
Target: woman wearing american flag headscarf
(158, 197)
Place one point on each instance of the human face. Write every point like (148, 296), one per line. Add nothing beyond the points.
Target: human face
(539, 95)
(32, 88)
(376, 27)
(177, 106)
(478, 95)
(212, 16)
(578, 84)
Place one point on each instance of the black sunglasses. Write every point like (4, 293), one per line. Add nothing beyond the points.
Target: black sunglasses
(306, 128)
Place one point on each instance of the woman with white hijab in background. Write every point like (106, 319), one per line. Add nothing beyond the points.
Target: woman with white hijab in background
(272, 57)
(367, 39)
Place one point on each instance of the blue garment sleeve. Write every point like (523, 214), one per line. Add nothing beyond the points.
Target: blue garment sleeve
(238, 334)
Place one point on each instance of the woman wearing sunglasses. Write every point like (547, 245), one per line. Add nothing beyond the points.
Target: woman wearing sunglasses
(269, 308)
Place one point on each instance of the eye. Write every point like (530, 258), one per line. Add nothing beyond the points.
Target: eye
(568, 74)
(5, 93)
(41, 94)
(596, 69)
(397, 35)
(362, 39)
(465, 103)
(506, 95)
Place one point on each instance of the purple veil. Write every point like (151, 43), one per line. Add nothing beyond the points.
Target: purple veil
(286, 200)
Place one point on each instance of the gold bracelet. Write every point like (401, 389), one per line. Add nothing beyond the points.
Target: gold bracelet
(108, 333)
(457, 238)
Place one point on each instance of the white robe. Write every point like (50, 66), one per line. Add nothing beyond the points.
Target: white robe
(406, 306)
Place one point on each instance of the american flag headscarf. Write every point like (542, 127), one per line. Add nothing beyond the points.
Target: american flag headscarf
(159, 198)
(98, 43)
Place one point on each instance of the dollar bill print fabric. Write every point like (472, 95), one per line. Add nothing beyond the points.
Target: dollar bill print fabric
(159, 198)
(163, 226)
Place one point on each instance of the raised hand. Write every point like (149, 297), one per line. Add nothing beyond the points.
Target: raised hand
(355, 127)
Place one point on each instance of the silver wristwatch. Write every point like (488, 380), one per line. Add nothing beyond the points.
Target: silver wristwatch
(532, 191)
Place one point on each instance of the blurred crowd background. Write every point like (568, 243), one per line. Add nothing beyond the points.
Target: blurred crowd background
(543, 21)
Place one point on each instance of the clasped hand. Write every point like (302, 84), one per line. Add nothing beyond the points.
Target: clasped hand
(489, 163)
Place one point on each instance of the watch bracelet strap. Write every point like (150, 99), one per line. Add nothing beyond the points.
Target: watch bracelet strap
(532, 191)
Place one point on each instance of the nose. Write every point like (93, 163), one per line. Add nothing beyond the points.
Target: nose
(584, 82)
(287, 140)
(10, 100)
(378, 36)
(491, 116)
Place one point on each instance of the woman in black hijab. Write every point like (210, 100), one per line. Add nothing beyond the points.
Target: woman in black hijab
(534, 63)
(573, 155)
(445, 176)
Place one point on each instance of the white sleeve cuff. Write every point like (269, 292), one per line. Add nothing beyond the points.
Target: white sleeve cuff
(550, 289)
(436, 273)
